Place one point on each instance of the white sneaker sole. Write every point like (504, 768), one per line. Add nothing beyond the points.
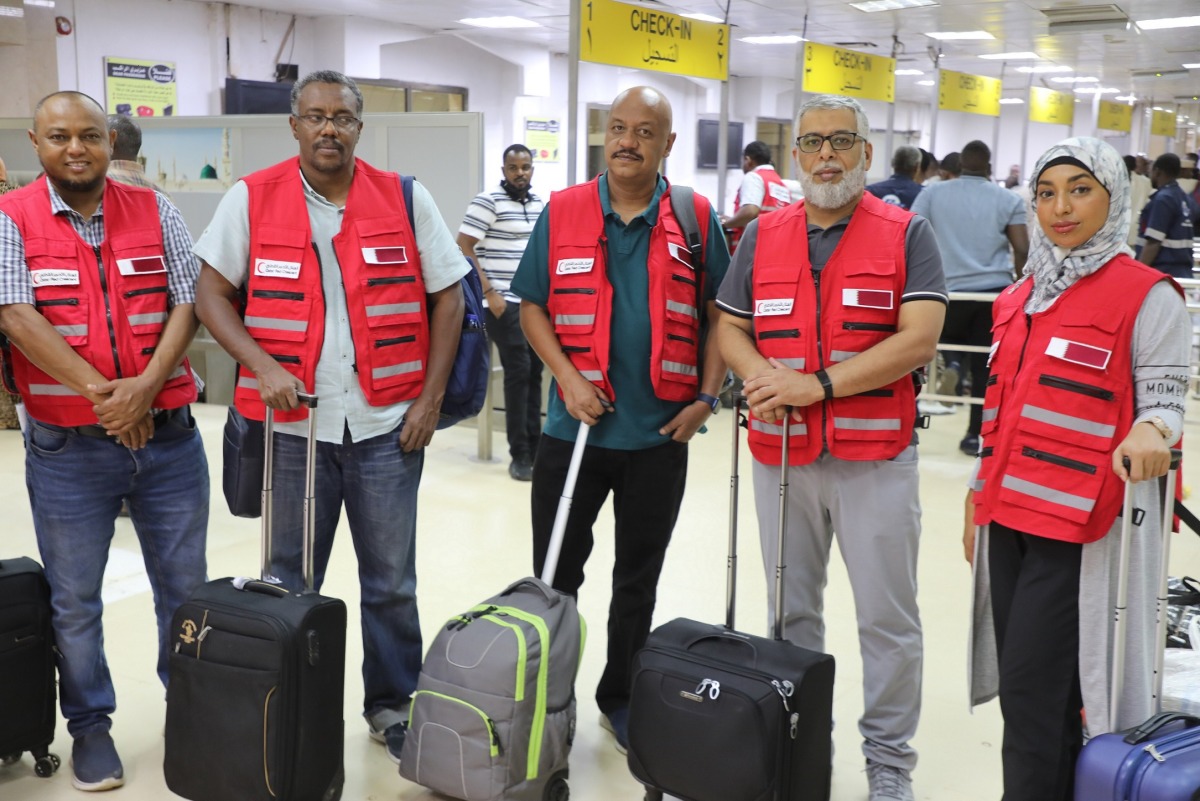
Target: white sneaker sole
(107, 783)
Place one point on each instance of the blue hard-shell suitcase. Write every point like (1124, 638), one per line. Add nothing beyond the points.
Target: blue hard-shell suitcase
(1157, 761)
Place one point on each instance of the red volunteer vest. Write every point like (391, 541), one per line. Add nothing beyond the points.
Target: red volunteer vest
(580, 303)
(809, 320)
(776, 195)
(381, 270)
(109, 303)
(1060, 398)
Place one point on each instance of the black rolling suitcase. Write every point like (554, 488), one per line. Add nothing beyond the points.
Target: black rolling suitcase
(27, 687)
(718, 715)
(257, 672)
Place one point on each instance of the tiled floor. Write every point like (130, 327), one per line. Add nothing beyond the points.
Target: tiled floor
(474, 539)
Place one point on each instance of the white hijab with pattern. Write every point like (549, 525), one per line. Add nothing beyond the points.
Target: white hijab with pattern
(1054, 269)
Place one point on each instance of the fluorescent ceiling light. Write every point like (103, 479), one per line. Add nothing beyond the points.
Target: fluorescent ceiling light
(704, 17)
(924, 83)
(1096, 90)
(1191, 66)
(9, 11)
(1073, 79)
(1013, 56)
(499, 22)
(1168, 22)
(1045, 68)
(909, 72)
(42, 3)
(960, 35)
(1159, 108)
(1127, 98)
(788, 39)
(1011, 101)
(890, 5)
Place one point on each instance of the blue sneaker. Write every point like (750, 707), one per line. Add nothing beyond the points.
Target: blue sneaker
(617, 723)
(95, 765)
(392, 738)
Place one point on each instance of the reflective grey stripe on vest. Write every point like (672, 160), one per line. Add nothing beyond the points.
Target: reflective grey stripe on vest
(1047, 494)
(679, 368)
(867, 423)
(1068, 422)
(71, 330)
(51, 389)
(990, 414)
(276, 324)
(682, 308)
(574, 319)
(592, 375)
(147, 319)
(393, 308)
(247, 382)
(842, 355)
(396, 369)
(797, 429)
(795, 364)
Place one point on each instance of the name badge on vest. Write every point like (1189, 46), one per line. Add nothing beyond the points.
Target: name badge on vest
(55, 277)
(270, 268)
(143, 265)
(393, 255)
(1078, 353)
(572, 266)
(780, 193)
(867, 298)
(680, 254)
(773, 307)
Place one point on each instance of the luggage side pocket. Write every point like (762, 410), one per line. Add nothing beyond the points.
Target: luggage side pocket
(453, 747)
(223, 736)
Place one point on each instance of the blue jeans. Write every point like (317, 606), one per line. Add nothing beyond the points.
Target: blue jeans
(378, 483)
(76, 485)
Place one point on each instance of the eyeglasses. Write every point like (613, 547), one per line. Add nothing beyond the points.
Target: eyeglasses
(842, 140)
(343, 122)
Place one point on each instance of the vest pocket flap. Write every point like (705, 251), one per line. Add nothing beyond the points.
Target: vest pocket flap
(1055, 478)
(36, 247)
(137, 240)
(379, 226)
(777, 273)
(287, 237)
(68, 315)
(879, 267)
(1107, 320)
(574, 312)
(285, 320)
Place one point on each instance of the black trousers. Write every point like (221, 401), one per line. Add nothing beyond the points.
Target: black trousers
(1035, 606)
(969, 322)
(647, 488)
(522, 382)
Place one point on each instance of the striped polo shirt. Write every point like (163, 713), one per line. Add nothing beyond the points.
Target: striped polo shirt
(502, 226)
(1167, 218)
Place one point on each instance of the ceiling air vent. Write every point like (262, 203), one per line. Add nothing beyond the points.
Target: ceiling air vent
(1086, 19)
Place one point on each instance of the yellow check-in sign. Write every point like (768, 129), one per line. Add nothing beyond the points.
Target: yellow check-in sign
(1114, 116)
(837, 71)
(974, 94)
(1047, 105)
(1163, 123)
(648, 38)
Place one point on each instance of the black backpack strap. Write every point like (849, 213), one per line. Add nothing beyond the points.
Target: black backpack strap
(406, 182)
(1185, 514)
(683, 205)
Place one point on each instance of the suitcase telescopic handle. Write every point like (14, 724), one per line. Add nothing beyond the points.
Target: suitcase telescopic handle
(268, 491)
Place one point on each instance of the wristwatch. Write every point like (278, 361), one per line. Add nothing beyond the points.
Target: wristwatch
(713, 402)
(1162, 426)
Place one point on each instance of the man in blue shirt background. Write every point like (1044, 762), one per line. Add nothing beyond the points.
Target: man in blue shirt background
(901, 189)
(1165, 227)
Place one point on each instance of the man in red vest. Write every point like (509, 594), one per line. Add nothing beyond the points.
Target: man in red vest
(614, 303)
(761, 190)
(347, 300)
(96, 293)
(828, 308)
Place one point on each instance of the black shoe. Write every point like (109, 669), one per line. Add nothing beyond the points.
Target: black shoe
(970, 445)
(521, 469)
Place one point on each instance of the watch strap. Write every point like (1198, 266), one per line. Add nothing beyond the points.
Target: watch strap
(826, 384)
(711, 400)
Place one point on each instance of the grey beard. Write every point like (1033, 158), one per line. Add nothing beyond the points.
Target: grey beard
(835, 195)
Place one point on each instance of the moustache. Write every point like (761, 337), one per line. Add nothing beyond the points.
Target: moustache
(326, 142)
(627, 153)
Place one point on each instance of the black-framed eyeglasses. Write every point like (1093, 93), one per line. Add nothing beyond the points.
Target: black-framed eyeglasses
(343, 122)
(842, 140)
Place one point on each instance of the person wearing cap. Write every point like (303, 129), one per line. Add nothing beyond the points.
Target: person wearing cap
(1088, 370)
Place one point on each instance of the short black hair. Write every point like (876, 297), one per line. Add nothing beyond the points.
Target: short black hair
(519, 149)
(1168, 164)
(927, 160)
(758, 152)
(976, 156)
(952, 163)
(1130, 163)
(326, 76)
(129, 137)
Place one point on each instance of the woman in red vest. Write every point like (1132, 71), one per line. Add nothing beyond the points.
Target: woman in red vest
(1087, 369)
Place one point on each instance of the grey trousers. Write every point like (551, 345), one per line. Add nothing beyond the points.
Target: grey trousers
(874, 511)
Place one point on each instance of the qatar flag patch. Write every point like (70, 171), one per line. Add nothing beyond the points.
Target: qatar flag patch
(142, 265)
(680, 254)
(1078, 353)
(867, 298)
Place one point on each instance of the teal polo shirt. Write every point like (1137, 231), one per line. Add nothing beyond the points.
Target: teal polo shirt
(638, 414)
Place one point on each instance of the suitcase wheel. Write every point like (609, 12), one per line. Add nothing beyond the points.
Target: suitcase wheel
(46, 766)
(557, 789)
(10, 759)
(653, 795)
